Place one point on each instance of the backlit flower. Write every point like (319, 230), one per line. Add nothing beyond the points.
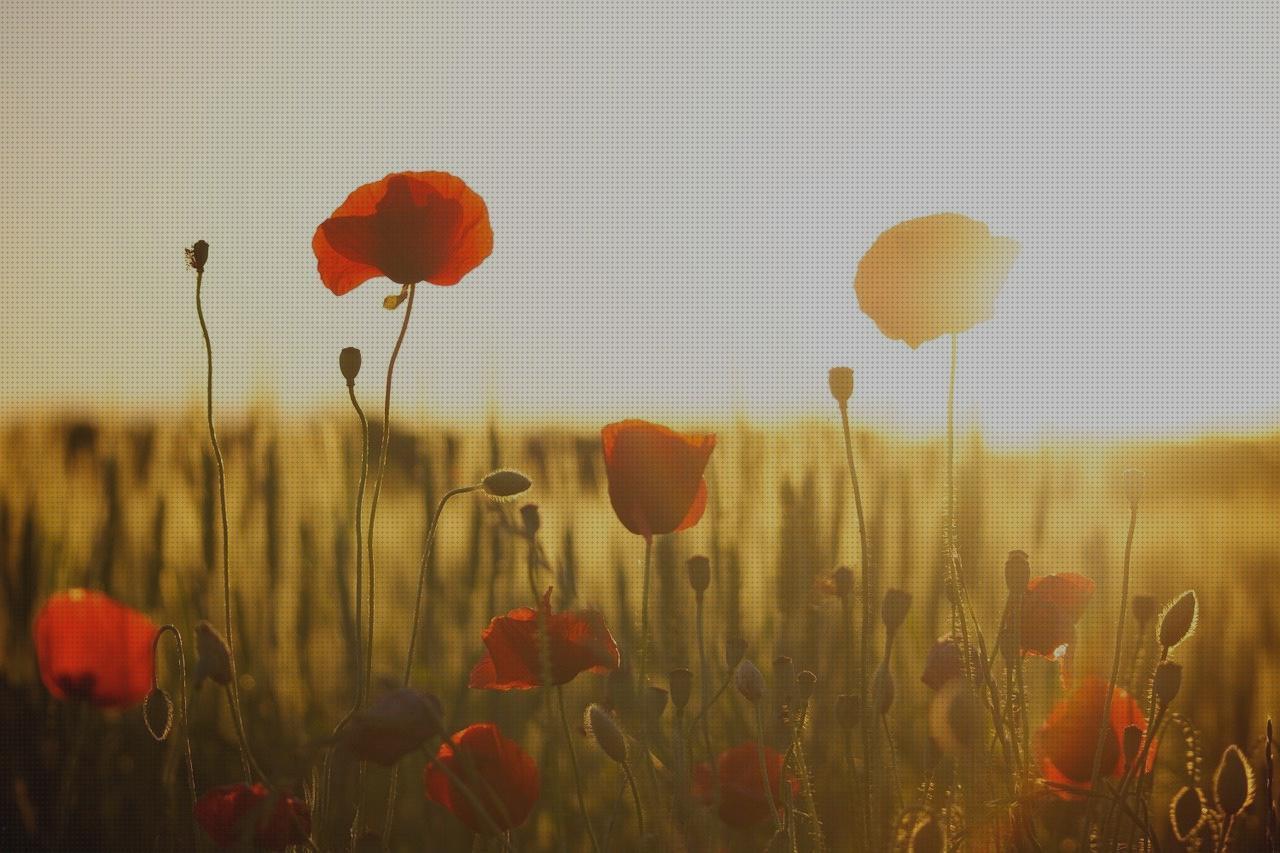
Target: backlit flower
(91, 647)
(1068, 738)
(409, 227)
(742, 797)
(1052, 606)
(494, 769)
(234, 813)
(579, 642)
(932, 276)
(655, 476)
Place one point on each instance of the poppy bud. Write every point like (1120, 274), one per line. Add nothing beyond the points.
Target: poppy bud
(1233, 782)
(681, 683)
(847, 711)
(882, 690)
(784, 675)
(213, 657)
(531, 518)
(840, 381)
(1179, 619)
(893, 610)
(1132, 743)
(734, 649)
(600, 724)
(198, 255)
(699, 571)
(1167, 681)
(1017, 573)
(655, 699)
(749, 681)
(1144, 609)
(1133, 485)
(927, 836)
(159, 723)
(842, 579)
(806, 681)
(349, 364)
(1187, 813)
(505, 484)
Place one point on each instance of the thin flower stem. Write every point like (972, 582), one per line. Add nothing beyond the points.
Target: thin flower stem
(764, 769)
(613, 812)
(377, 483)
(635, 796)
(1104, 730)
(361, 698)
(182, 698)
(705, 672)
(577, 772)
(248, 765)
(644, 611)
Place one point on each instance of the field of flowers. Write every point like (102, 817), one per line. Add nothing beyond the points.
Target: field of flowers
(338, 631)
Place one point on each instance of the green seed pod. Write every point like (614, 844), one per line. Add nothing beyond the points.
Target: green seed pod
(505, 484)
(840, 381)
(349, 363)
(1179, 619)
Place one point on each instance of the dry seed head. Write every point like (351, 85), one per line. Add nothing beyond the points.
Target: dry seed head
(840, 381)
(1187, 813)
(600, 724)
(1233, 782)
(1017, 573)
(349, 361)
(1167, 681)
(698, 569)
(198, 255)
(531, 518)
(681, 683)
(1179, 619)
(846, 711)
(893, 610)
(882, 690)
(806, 681)
(1145, 609)
(927, 836)
(749, 681)
(1132, 743)
(505, 484)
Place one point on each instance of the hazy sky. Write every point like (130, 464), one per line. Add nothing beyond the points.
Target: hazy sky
(679, 191)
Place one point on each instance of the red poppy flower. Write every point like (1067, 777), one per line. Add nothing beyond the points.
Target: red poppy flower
(742, 797)
(579, 643)
(1067, 740)
(410, 227)
(278, 820)
(93, 648)
(1051, 608)
(932, 276)
(655, 476)
(496, 771)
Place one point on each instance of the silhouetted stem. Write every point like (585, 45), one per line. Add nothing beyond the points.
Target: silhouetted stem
(361, 698)
(182, 697)
(644, 611)
(764, 768)
(577, 773)
(635, 796)
(246, 755)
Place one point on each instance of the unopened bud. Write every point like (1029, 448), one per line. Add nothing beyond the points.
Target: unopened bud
(680, 681)
(847, 711)
(600, 724)
(1017, 573)
(198, 255)
(349, 363)
(1179, 619)
(1167, 681)
(749, 681)
(893, 610)
(840, 381)
(505, 484)
(158, 718)
(1234, 784)
(1187, 813)
(699, 570)
(531, 518)
(213, 657)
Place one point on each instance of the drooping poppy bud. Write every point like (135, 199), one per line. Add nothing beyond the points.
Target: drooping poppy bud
(840, 381)
(349, 363)
(505, 484)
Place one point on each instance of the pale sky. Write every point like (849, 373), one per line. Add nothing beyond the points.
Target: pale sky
(679, 191)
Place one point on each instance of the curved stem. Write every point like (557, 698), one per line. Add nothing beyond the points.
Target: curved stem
(246, 755)
(577, 773)
(182, 697)
(635, 796)
(377, 483)
(361, 698)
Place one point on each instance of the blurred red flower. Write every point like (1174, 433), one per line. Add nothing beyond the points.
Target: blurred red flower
(655, 476)
(1067, 740)
(409, 227)
(1052, 606)
(932, 276)
(393, 725)
(496, 771)
(91, 647)
(742, 797)
(580, 642)
(224, 814)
